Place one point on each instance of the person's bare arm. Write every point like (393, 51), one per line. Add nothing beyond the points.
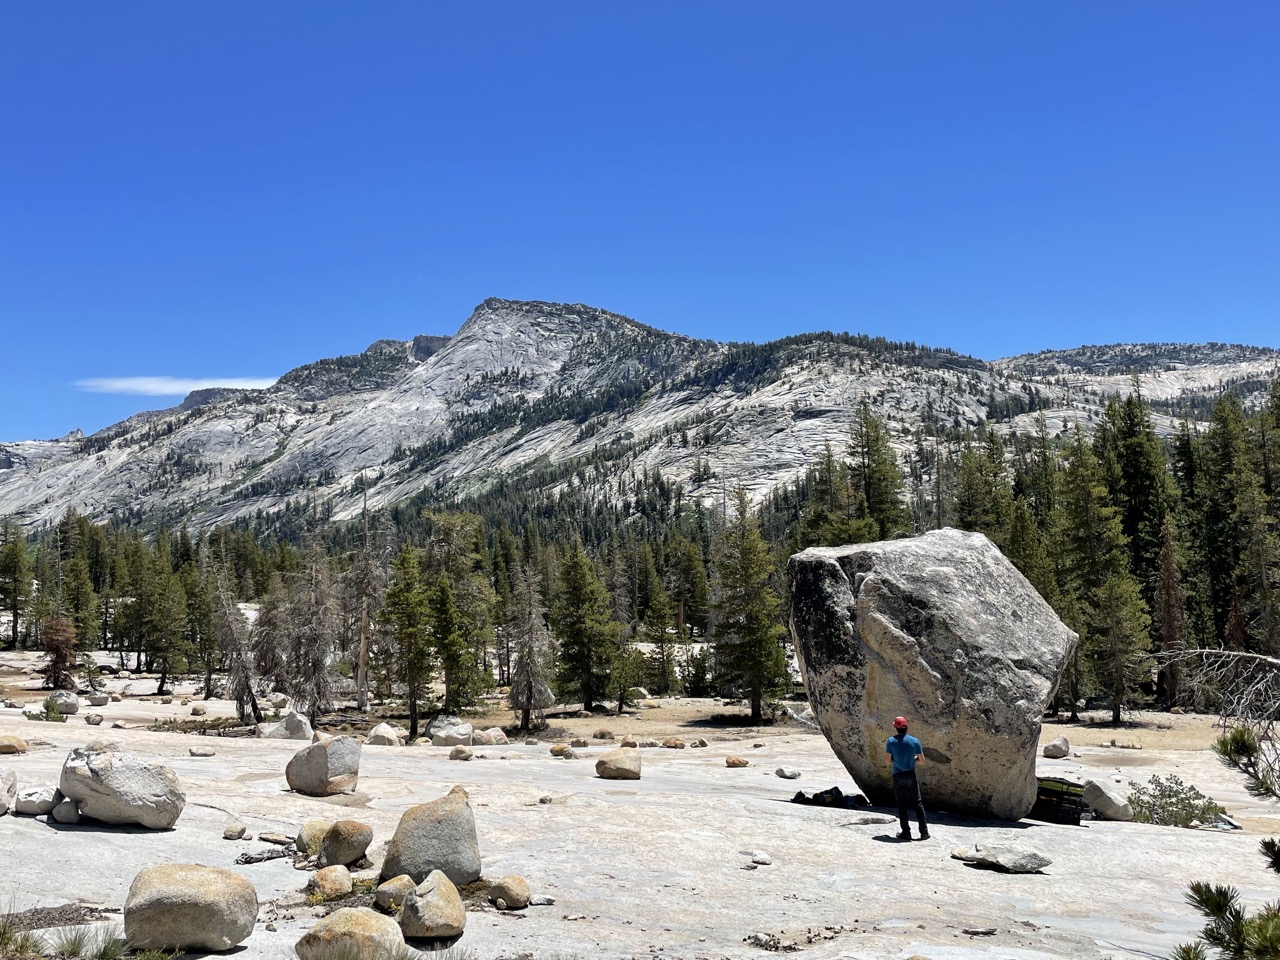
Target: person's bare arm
(888, 758)
(920, 757)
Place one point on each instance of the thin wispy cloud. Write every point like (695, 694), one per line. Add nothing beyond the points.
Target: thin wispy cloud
(169, 386)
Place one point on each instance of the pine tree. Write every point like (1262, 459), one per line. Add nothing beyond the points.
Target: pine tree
(1170, 616)
(164, 621)
(1103, 595)
(748, 630)
(875, 477)
(580, 618)
(406, 619)
(462, 681)
(15, 577)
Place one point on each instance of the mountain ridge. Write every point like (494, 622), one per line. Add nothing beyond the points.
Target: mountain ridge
(551, 395)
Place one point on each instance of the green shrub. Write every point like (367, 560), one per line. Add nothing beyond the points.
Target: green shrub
(1172, 803)
(51, 713)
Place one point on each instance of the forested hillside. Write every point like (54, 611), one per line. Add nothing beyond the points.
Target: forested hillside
(1144, 545)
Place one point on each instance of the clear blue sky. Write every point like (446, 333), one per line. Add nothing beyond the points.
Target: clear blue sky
(224, 190)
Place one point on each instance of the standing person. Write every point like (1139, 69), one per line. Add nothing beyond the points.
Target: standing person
(902, 753)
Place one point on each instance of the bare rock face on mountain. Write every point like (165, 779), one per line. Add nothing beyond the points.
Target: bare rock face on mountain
(940, 628)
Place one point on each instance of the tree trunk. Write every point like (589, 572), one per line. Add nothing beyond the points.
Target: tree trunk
(757, 697)
(413, 711)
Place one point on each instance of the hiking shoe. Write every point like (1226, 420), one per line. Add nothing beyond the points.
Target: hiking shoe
(904, 835)
(924, 834)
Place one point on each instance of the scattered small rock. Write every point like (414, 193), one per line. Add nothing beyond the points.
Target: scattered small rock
(787, 773)
(199, 710)
(737, 762)
(202, 751)
(673, 743)
(234, 831)
(461, 753)
(1009, 857)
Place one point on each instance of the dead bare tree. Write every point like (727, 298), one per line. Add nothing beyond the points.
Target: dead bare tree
(1248, 687)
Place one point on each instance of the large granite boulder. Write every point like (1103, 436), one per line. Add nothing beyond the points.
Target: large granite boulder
(325, 769)
(181, 906)
(940, 628)
(110, 785)
(440, 835)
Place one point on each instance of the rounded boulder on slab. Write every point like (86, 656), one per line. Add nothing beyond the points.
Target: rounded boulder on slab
(512, 891)
(1057, 748)
(391, 894)
(434, 909)
(458, 735)
(66, 702)
(440, 835)
(620, 764)
(330, 883)
(944, 630)
(182, 906)
(382, 736)
(325, 769)
(311, 836)
(737, 762)
(119, 788)
(345, 842)
(352, 932)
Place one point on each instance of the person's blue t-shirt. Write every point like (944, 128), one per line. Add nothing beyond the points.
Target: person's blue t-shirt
(904, 750)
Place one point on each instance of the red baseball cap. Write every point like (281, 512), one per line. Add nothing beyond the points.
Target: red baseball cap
(900, 722)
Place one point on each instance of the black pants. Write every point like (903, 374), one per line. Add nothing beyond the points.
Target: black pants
(907, 792)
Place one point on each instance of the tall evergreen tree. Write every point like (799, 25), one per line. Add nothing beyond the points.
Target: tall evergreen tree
(749, 631)
(1104, 596)
(406, 619)
(588, 638)
(15, 577)
(1170, 617)
(875, 476)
